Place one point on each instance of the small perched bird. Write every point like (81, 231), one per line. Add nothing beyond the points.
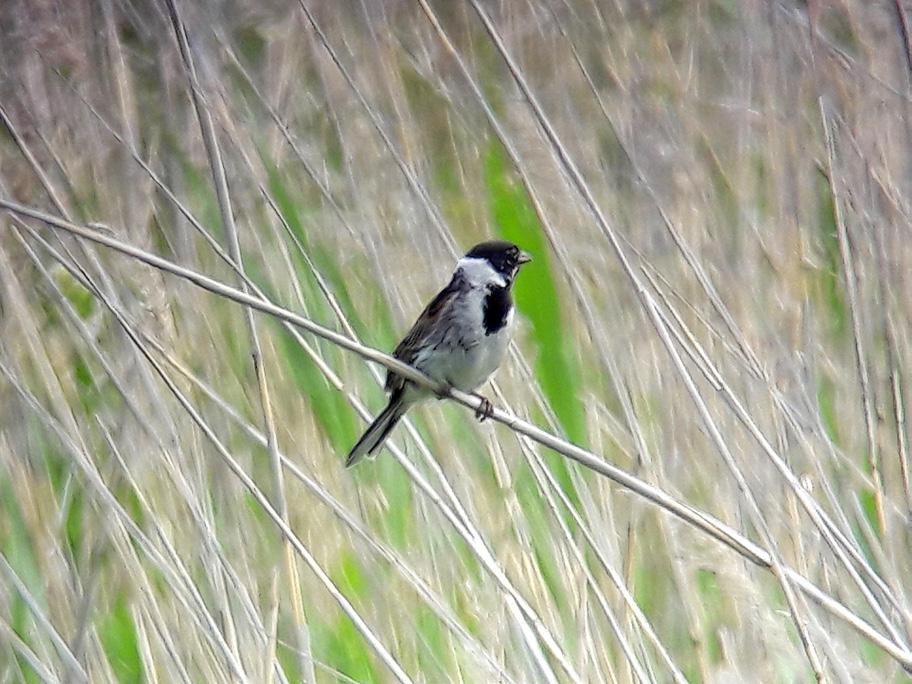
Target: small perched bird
(459, 339)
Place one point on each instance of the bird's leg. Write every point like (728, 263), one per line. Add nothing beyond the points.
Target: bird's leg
(485, 410)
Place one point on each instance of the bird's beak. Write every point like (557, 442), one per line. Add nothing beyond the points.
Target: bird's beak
(524, 258)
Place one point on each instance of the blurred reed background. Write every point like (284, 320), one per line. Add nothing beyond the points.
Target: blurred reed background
(750, 162)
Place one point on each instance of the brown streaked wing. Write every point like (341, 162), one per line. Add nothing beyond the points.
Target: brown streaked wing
(408, 348)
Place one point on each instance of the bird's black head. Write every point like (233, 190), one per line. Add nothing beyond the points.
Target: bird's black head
(504, 257)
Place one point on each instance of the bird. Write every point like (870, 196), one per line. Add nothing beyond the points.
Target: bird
(459, 339)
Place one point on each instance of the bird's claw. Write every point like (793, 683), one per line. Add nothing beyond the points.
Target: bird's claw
(485, 409)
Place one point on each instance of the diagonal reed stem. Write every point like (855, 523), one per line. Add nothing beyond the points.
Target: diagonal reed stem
(695, 517)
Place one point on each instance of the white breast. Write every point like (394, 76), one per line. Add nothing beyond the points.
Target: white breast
(485, 358)
(468, 357)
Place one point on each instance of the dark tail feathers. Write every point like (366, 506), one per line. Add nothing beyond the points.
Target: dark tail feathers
(374, 436)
